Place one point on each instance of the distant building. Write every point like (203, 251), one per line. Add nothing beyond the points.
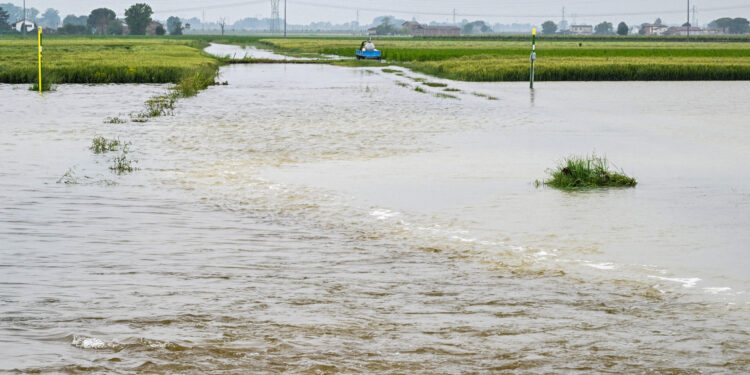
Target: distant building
(417, 29)
(694, 30)
(18, 25)
(654, 29)
(151, 28)
(125, 28)
(581, 29)
(372, 31)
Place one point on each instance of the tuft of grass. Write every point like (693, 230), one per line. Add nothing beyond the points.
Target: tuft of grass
(160, 105)
(450, 89)
(114, 120)
(402, 84)
(386, 70)
(488, 97)
(435, 84)
(419, 89)
(586, 172)
(46, 86)
(192, 83)
(121, 164)
(445, 96)
(100, 145)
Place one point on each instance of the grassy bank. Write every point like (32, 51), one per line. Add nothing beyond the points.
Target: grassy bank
(104, 60)
(558, 59)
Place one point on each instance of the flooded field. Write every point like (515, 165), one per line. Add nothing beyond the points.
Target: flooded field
(317, 219)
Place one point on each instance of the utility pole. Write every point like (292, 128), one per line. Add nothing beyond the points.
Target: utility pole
(688, 20)
(23, 23)
(284, 18)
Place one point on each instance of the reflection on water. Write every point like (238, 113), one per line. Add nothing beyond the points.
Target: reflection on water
(316, 219)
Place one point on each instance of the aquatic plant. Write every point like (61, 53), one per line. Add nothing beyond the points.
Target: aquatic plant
(488, 97)
(121, 164)
(445, 96)
(387, 70)
(160, 105)
(190, 84)
(101, 145)
(46, 86)
(419, 89)
(449, 89)
(114, 120)
(435, 84)
(402, 84)
(586, 172)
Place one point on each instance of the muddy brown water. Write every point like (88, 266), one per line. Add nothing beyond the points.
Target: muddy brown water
(318, 219)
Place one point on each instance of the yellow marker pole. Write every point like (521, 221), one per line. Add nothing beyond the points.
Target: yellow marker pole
(40, 59)
(533, 56)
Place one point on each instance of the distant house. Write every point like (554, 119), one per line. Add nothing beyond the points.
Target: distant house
(654, 29)
(151, 28)
(372, 31)
(125, 28)
(417, 29)
(694, 30)
(581, 29)
(18, 25)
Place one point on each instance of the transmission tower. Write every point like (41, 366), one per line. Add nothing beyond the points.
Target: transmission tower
(275, 18)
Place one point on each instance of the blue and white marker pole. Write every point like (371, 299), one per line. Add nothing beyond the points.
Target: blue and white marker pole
(533, 56)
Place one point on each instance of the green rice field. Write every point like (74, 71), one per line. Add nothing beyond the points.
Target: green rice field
(103, 60)
(557, 59)
(168, 60)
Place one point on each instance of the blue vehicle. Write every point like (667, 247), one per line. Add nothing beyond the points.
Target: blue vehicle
(369, 55)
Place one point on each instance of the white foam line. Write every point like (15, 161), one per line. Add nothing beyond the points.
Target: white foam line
(686, 282)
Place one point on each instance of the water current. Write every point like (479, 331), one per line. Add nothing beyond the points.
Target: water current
(318, 219)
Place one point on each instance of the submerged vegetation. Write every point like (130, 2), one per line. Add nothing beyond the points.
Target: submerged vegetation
(121, 164)
(435, 84)
(101, 145)
(577, 172)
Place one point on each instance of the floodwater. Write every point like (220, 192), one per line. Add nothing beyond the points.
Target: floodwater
(318, 219)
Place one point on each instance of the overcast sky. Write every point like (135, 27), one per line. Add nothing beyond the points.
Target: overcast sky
(342, 11)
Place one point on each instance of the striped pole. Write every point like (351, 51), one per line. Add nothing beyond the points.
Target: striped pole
(40, 59)
(533, 56)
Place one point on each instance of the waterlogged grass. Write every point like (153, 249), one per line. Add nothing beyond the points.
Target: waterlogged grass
(419, 89)
(100, 145)
(435, 84)
(442, 95)
(603, 59)
(121, 164)
(103, 60)
(577, 172)
(114, 120)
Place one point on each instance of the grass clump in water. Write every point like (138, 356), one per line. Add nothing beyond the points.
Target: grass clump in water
(46, 86)
(435, 84)
(445, 96)
(386, 70)
(121, 164)
(450, 89)
(419, 89)
(588, 172)
(191, 84)
(114, 120)
(100, 145)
